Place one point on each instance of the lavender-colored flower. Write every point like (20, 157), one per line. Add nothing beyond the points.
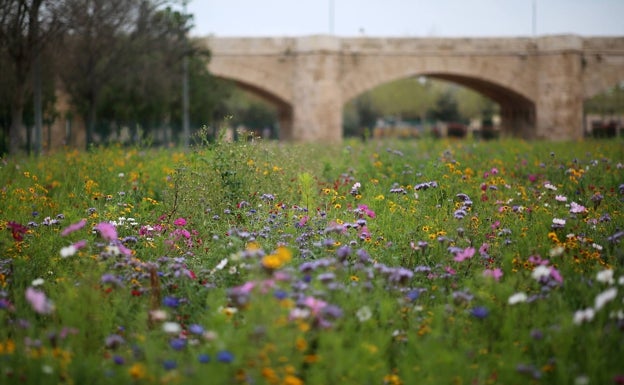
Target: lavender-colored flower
(196, 329)
(113, 341)
(343, 252)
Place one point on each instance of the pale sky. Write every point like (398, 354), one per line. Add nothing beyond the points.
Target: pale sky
(407, 18)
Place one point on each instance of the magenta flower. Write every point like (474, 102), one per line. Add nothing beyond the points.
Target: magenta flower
(366, 210)
(74, 227)
(80, 244)
(180, 222)
(107, 231)
(39, 302)
(467, 253)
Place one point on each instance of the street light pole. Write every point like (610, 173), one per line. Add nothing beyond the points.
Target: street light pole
(186, 131)
(331, 17)
(534, 19)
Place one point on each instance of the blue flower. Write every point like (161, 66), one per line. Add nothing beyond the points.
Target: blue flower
(203, 358)
(479, 312)
(225, 356)
(171, 302)
(169, 364)
(196, 329)
(177, 343)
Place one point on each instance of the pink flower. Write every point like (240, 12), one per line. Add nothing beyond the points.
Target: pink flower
(80, 244)
(180, 222)
(494, 273)
(107, 231)
(315, 305)
(367, 211)
(38, 301)
(554, 273)
(485, 247)
(74, 227)
(464, 254)
(575, 208)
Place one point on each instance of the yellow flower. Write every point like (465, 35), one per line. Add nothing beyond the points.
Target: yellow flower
(276, 260)
(137, 371)
(292, 380)
(301, 344)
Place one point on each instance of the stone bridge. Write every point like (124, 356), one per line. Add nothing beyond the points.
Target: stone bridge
(539, 83)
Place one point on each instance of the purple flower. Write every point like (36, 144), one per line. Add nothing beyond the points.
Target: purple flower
(119, 360)
(479, 312)
(196, 329)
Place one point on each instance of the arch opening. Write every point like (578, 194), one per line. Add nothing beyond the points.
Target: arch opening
(481, 107)
(603, 113)
(258, 110)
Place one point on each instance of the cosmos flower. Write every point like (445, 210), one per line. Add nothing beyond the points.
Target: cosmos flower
(464, 254)
(38, 300)
(106, 231)
(73, 227)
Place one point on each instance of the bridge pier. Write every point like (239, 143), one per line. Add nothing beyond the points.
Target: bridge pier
(559, 97)
(317, 101)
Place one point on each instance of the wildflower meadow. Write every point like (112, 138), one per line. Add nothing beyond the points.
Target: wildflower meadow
(378, 262)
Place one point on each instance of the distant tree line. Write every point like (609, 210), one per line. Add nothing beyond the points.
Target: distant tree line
(120, 62)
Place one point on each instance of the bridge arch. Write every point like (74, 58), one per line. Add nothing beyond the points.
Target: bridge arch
(517, 110)
(268, 81)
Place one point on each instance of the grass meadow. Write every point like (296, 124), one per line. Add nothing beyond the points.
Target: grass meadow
(385, 262)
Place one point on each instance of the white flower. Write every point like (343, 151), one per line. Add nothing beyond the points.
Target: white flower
(222, 264)
(561, 198)
(555, 252)
(605, 276)
(597, 246)
(121, 175)
(171, 327)
(68, 251)
(581, 316)
(364, 313)
(604, 297)
(559, 222)
(517, 298)
(540, 272)
(550, 187)
(299, 313)
(621, 280)
(158, 315)
(581, 380)
(37, 282)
